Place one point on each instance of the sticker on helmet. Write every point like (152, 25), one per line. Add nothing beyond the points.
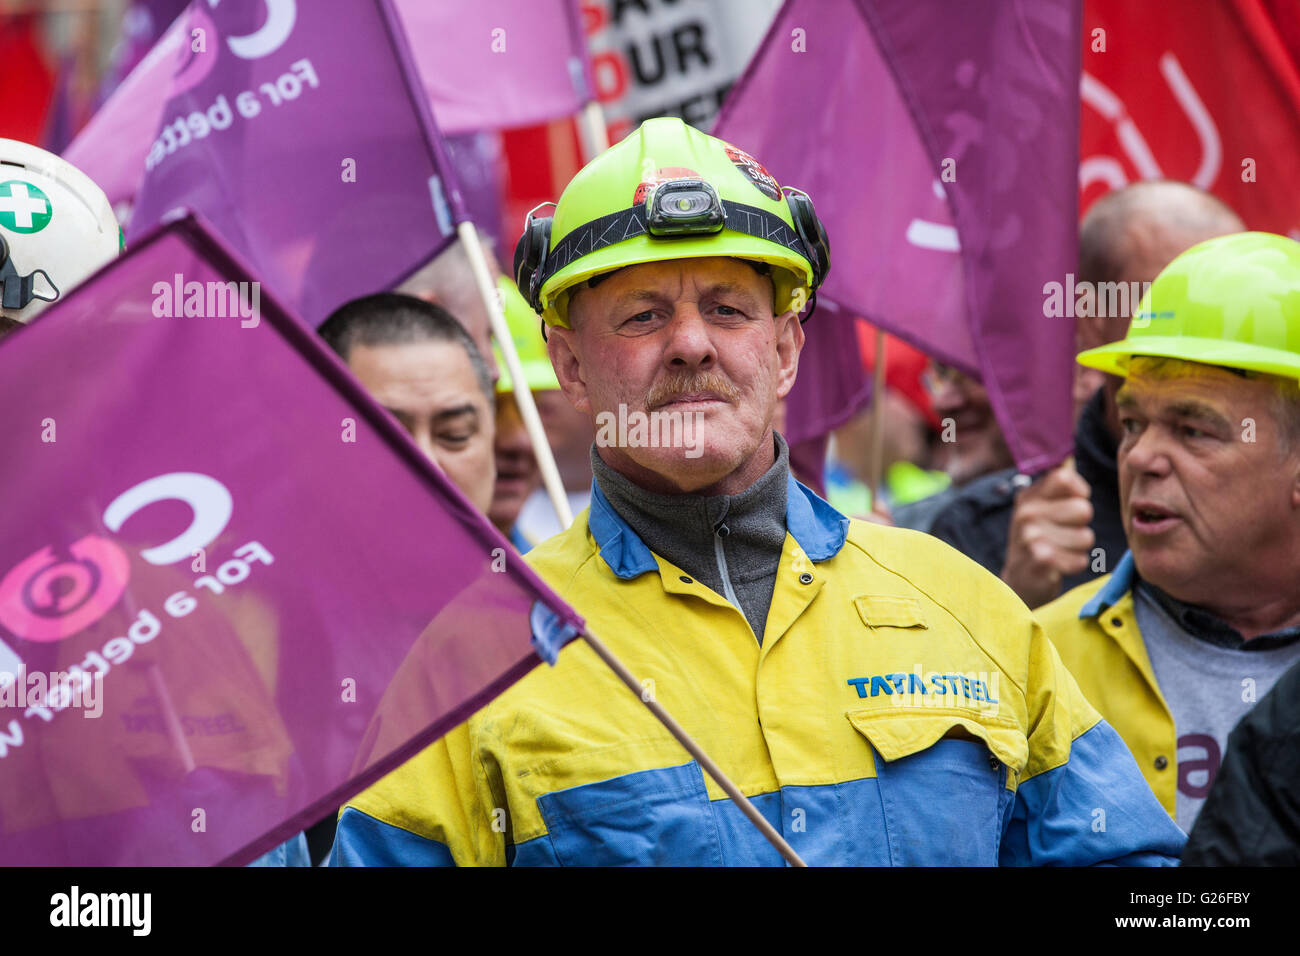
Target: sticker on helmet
(663, 175)
(754, 171)
(23, 207)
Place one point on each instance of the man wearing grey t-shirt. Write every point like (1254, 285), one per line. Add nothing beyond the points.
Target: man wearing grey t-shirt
(1202, 615)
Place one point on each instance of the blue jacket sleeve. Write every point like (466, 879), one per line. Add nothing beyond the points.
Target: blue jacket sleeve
(292, 852)
(361, 840)
(1094, 809)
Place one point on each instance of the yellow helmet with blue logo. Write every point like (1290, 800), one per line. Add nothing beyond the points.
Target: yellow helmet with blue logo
(1233, 301)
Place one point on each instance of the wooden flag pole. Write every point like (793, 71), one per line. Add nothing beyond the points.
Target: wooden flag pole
(523, 395)
(592, 130)
(694, 749)
(878, 421)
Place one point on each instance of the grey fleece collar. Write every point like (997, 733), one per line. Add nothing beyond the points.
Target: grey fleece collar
(730, 543)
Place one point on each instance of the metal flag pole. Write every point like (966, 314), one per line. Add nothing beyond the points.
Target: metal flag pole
(694, 749)
(469, 238)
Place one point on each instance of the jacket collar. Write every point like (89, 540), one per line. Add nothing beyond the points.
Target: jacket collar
(816, 527)
(1195, 621)
(1120, 583)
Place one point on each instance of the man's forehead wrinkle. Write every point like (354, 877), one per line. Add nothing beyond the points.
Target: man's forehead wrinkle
(705, 289)
(458, 411)
(1130, 395)
(726, 288)
(1191, 408)
(640, 295)
(414, 410)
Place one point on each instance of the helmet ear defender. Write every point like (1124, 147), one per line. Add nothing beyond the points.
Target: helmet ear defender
(530, 257)
(16, 291)
(817, 246)
(532, 252)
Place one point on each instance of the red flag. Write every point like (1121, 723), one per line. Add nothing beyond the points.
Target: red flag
(1204, 91)
(26, 81)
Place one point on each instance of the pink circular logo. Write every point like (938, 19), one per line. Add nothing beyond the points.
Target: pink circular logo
(196, 64)
(46, 598)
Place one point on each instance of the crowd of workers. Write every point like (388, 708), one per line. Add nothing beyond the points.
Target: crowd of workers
(977, 667)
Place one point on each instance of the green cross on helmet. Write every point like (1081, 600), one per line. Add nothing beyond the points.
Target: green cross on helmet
(669, 191)
(1233, 301)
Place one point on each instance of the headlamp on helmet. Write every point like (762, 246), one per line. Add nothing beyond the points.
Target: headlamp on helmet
(684, 207)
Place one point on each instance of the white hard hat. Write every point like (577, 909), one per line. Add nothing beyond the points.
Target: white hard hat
(56, 228)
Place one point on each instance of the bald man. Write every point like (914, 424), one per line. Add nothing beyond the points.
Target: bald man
(1066, 529)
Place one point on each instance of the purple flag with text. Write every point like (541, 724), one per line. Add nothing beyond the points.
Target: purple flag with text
(232, 591)
(494, 64)
(489, 65)
(328, 178)
(940, 143)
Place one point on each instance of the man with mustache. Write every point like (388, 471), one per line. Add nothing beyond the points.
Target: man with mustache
(1202, 615)
(882, 699)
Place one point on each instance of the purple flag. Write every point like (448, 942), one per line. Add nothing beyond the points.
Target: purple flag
(112, 146)
(536, 70)
(143, 24)
(65, 114)
(330, 179)
(262, 592)
(940, 143)
(832, 385)
(478, 163)
(494, 64)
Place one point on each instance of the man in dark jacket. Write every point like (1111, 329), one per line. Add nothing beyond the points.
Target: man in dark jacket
(1252, 815)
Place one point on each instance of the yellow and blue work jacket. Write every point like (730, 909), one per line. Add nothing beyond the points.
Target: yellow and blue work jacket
(904, 708)
(1094, 628)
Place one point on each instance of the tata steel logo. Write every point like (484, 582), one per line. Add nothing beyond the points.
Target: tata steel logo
(55, 593)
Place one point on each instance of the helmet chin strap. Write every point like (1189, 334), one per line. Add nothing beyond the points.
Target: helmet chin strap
(16, 291)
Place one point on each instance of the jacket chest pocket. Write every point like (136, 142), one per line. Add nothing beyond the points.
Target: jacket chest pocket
(943, 783)
(655, 817)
